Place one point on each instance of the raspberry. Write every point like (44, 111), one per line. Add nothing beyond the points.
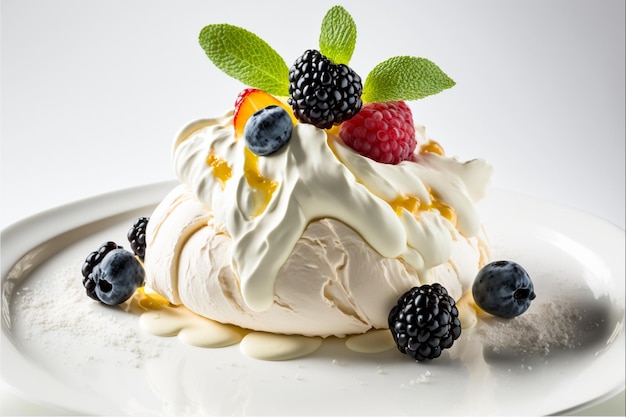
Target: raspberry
(424, 322)
(383, 132)
(322, 93)
(137, 237)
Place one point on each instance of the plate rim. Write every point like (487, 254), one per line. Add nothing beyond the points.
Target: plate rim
(41, 227)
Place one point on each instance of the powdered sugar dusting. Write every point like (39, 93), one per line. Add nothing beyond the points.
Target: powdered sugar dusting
(543, 327)
(57, 318)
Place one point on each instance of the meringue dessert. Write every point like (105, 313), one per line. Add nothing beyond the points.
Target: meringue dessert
(329, 250)
(315, 202)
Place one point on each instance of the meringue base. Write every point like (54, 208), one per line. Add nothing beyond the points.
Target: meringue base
(332, 284)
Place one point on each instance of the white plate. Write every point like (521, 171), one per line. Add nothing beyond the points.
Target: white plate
(74, 354)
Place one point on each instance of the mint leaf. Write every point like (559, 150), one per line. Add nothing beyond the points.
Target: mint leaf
(404, 78)
(246, 57)
(338, 35)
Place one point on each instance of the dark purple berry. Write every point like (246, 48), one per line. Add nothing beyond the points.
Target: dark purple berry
(137, 237)
(93, 259)
(424, 322)
(323, 93)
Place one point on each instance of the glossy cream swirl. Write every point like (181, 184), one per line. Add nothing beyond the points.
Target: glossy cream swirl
(266, 202)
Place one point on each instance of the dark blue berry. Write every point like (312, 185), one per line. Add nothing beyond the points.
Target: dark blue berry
(267, 130)
(117, 277)
(504, 289)
(112, 274)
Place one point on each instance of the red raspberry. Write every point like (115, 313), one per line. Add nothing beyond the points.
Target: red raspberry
(383, 132)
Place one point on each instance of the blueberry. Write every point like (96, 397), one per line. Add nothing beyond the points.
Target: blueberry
(504, 289)
(117, 277)
(267, 130)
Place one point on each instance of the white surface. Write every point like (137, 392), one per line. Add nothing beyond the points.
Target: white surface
(109, 367)
(93, 92)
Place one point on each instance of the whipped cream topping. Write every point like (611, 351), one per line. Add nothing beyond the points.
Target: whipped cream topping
(266, 202)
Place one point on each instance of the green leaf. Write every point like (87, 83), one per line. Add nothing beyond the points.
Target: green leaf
(246, 57)
(338, 35)
(404, 78)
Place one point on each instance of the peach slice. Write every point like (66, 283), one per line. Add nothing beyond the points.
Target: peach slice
(251, 100)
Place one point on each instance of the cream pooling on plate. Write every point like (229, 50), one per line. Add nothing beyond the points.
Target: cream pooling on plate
(266, 203)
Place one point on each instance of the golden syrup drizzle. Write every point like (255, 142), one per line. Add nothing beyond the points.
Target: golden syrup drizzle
(263, 187)
(432, 147)
(150, 301)
(221, 170)
(333, 130)
(414, 206)
(445, 210)
(411, 204)
(484, 250)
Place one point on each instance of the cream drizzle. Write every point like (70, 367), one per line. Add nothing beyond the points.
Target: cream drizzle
(168, 321)
(189, 327)
(278, 347)
(373, 341)
(317, 176)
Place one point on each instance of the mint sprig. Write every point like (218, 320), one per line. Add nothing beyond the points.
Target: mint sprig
(338, 35)
(246, 57)
(404, 78)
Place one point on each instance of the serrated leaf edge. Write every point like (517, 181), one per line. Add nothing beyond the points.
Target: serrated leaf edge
(373, 96)
(330, 46)
(267, 80)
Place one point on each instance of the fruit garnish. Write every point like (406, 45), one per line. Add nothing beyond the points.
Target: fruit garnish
(404, 78)
(112, 274)
(323, 93)
(91, 261)
(137, 237)
(248, 102)
(337, 35)
(504, 289)
(246, 57)
(383, 132)
(424, 322)
(268, 130)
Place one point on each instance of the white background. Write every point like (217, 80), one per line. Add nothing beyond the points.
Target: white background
(93, 92)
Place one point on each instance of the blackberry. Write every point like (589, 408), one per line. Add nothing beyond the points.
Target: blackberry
(424, 322)
(322, 93)
(137, 237)
(93, 259)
